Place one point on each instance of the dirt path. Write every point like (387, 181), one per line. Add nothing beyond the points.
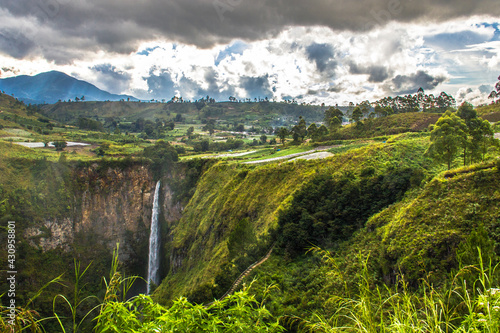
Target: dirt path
(243, 275)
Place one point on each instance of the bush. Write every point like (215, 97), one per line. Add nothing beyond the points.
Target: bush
(60, 145)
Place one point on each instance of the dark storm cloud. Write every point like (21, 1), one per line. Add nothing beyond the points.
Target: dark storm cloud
(376, 73)
(485, 88)
(256, 86)
(111, 78)
(160, 85)
(119, 26)
(322, 55)
(15, 44)
(112, 72)
(408, 84)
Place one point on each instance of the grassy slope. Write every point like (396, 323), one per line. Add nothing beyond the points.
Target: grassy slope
(407, 122)
(425, 231)
(13, 112)
(489, 112)
(417, 238)
(393, 124)
(229, 192)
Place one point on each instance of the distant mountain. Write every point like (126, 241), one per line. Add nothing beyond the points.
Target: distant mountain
(52, 86)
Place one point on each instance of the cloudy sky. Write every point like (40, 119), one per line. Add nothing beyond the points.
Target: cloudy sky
(314, 51)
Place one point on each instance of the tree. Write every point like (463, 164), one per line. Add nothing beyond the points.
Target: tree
(365, 108)
(480, 138)
(170, 125)
(335, 124)
(479, 134)
(311, 131)
(190, 131)
(179, 118)
(210, 127)
(322, 131)
(282, 133)
(333, 119)
(444, 102)
(357, 114)
(263, 139)
(302, 128)
(60, 145)
(447, 137)
(299, 131)
(149, 128)
(379, 111)
(162, 153)
(496, 93)
(205, 145)
(466, 112)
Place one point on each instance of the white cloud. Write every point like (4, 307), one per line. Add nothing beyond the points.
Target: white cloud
(387, 60)
(474, 95)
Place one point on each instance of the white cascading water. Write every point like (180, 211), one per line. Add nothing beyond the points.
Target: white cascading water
(154, 241)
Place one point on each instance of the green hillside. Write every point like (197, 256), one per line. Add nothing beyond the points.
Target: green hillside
(421, 241)
(490, 112)
(15, 114)
(389, 125)
(369, 234)
(230, 195)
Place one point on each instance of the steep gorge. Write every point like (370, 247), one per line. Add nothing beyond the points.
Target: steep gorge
(65, 210)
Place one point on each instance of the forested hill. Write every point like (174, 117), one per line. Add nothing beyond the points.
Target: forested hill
(264, 112)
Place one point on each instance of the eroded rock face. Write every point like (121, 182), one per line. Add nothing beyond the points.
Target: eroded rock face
(111, 206)
(116, 206)
(171, 209)
(51, 234)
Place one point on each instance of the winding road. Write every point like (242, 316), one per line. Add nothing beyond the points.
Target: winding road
(309, 152)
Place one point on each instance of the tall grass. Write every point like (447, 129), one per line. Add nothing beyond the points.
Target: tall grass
(239, 312)
(26, 319)
(470, 302)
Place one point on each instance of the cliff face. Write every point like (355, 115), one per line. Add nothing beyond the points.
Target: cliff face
(110, 205)
(116, 206)
(51, 234)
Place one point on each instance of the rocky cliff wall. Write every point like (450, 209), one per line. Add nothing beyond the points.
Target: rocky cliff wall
(110, 205)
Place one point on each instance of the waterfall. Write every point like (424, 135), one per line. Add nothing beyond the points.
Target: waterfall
(154, 241)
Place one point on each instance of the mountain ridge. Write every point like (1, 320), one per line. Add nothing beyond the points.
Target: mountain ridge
(50, 87)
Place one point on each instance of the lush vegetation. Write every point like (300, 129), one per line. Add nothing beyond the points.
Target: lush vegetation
(112, 312)
(398, 242)
(328, 209)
